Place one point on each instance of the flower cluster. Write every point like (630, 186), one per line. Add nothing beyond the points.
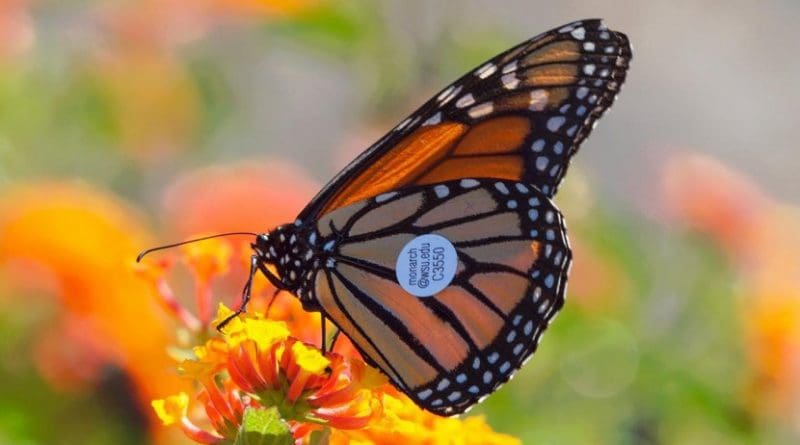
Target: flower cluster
(256, 365)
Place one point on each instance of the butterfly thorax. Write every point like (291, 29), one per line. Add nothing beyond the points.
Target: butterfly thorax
(291, 250)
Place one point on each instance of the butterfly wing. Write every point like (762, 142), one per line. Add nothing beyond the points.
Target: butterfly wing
(520, 116)
(449, 350)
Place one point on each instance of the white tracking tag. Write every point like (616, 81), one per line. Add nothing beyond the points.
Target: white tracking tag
(426, 265)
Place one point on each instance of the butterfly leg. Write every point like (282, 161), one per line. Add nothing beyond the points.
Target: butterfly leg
(335, 337)
(323, 334)
(324, 344)
(271, 301)
(245, 294)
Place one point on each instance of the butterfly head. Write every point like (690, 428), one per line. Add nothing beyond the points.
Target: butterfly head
(282, 256)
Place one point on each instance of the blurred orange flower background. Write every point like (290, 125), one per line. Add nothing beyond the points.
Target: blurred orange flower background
(127, 125)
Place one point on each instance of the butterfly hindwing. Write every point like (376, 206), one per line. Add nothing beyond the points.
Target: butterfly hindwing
(520, 116)
(448, 350)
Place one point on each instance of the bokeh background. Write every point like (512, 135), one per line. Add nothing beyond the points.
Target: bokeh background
(129, 123)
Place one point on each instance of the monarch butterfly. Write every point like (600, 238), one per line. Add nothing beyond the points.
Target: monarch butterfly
(438, 251)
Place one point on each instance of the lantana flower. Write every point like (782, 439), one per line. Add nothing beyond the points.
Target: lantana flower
(255, 364)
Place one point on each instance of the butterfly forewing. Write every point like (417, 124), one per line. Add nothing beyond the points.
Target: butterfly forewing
(520, 116)
(448, 350)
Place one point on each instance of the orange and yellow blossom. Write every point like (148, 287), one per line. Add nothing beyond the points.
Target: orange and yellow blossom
(404, 422)
(261, 366)
(81, 241)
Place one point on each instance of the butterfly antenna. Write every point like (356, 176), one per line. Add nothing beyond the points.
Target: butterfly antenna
(170, 246)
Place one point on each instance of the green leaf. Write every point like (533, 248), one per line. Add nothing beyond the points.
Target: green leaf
(321, 437)
(264, 427)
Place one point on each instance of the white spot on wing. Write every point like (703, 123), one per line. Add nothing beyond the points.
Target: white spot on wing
(539, 100)
(511, 336)
(433, 120)
(403, 124)
(511, 66)
(469, 183)
(486, 70)
(510, 81)
(541, 163)
(448, 94)
(537, 293)
(501, 187)
(555, 122)
(481, 110)
(579, 33)
(465, 100)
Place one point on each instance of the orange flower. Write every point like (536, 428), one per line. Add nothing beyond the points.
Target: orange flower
(403, 422)
(84, 240)
(252, 196)
(266, 7)
(714, 199)
(164, 24)
(261, 366)
(16, 29)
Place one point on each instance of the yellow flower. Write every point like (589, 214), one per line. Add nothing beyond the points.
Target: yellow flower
(403, 422)
(171, 409)
(263, 332)
(310, 359)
